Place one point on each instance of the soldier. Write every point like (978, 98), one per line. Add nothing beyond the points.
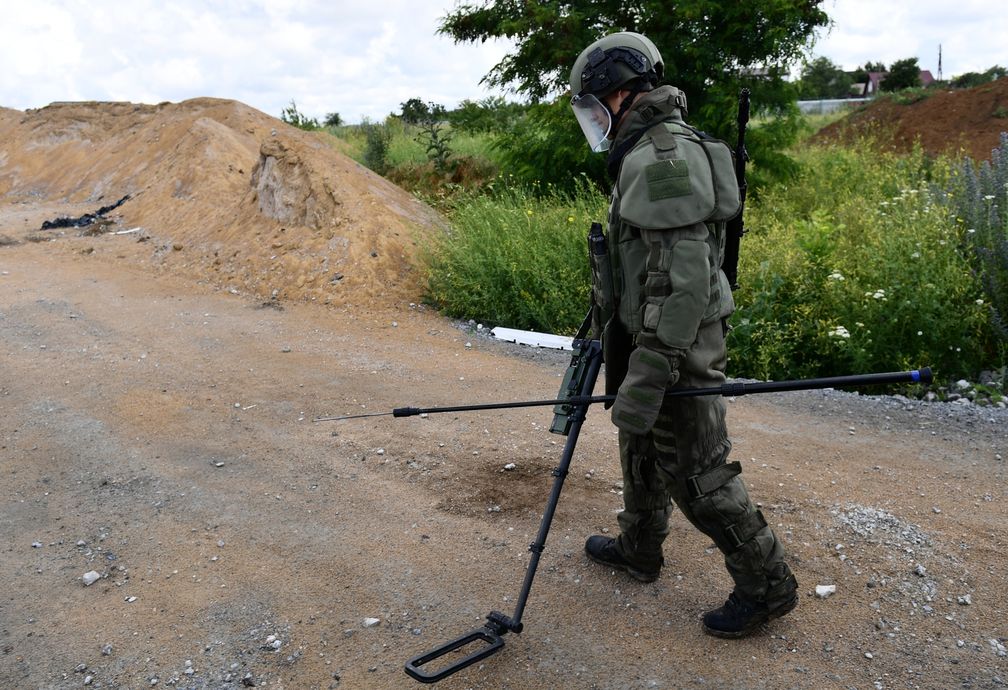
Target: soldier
(661, 308)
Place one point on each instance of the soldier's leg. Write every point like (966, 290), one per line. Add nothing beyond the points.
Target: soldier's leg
(711, 494)
(644, 519)
(646, 502)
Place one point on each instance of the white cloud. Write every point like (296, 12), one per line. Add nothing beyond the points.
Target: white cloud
(365, 58)
(971, 34)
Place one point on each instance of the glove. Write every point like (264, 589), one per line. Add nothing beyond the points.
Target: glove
(640, 396)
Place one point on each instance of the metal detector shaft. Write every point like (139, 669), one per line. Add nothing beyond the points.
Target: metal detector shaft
(733, 389)
(498, 624)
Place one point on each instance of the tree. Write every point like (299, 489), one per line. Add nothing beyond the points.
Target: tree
(710, 48)
(904, 74)
(333, 120)
(415, 111)
(823, 79)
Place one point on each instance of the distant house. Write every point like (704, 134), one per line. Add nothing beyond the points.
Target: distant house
(870, 88)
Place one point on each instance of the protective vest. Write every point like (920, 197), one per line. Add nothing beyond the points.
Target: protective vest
(674, 191)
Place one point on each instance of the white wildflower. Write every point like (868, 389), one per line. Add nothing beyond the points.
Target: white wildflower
(915, 255)
(980, 302)
(920, 332)
(839, 332)
(836, 275)
(879, 294)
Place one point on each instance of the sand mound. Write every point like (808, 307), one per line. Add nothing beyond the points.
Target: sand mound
(968, 121)
(226, 193)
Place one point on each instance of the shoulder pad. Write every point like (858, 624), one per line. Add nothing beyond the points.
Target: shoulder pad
(672, 178)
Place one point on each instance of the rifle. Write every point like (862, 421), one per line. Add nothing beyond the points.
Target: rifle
(735, 227)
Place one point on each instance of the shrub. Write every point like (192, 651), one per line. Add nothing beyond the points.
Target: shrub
(376, 147)
(516, 257)
(292, 116)
(852, 267)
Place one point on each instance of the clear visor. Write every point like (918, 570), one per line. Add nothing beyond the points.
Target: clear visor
(595, 121)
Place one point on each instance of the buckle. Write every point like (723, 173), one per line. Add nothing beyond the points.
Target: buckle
(733, 536)
(693, 486)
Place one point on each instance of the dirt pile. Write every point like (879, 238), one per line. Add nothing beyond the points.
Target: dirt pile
(223, 192)
(968, 121)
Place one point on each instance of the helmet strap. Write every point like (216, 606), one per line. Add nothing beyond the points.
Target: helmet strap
(625, 106)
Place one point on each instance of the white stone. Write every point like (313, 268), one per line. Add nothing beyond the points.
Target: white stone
(90, 577)
(823, 591)
(510, 466)
(371, 622)
(965, 600)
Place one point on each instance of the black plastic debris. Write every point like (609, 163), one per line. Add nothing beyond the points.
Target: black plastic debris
(82, 221)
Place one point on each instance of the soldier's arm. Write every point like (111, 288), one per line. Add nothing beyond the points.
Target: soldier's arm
(677, 288)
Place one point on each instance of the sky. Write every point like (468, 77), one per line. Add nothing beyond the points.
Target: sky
(364, 58)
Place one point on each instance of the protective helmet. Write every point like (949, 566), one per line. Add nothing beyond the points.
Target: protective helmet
(603, 67)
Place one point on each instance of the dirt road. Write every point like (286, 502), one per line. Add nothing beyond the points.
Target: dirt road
(160, 434)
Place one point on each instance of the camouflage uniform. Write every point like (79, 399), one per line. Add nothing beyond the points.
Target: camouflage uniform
(674, 191)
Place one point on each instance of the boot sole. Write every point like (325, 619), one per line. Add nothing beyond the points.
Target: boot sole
(638, 575)
(781, 610)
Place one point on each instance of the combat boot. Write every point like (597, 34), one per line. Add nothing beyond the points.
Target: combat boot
(605, 550)
(738, 617)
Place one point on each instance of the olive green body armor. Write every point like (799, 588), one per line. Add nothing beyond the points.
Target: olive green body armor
(661, 286)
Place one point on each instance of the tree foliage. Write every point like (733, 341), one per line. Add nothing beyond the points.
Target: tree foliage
(491, 114)
(711, 49)
(971, 79)
(821, 78)
(904, 74)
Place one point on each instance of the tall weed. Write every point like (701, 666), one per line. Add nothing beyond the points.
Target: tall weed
(853, 267)
(516, 257)
(978, 197)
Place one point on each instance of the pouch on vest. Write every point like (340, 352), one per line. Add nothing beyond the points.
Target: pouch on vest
(673, 178)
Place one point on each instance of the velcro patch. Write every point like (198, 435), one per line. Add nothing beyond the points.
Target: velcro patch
(667, 179)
